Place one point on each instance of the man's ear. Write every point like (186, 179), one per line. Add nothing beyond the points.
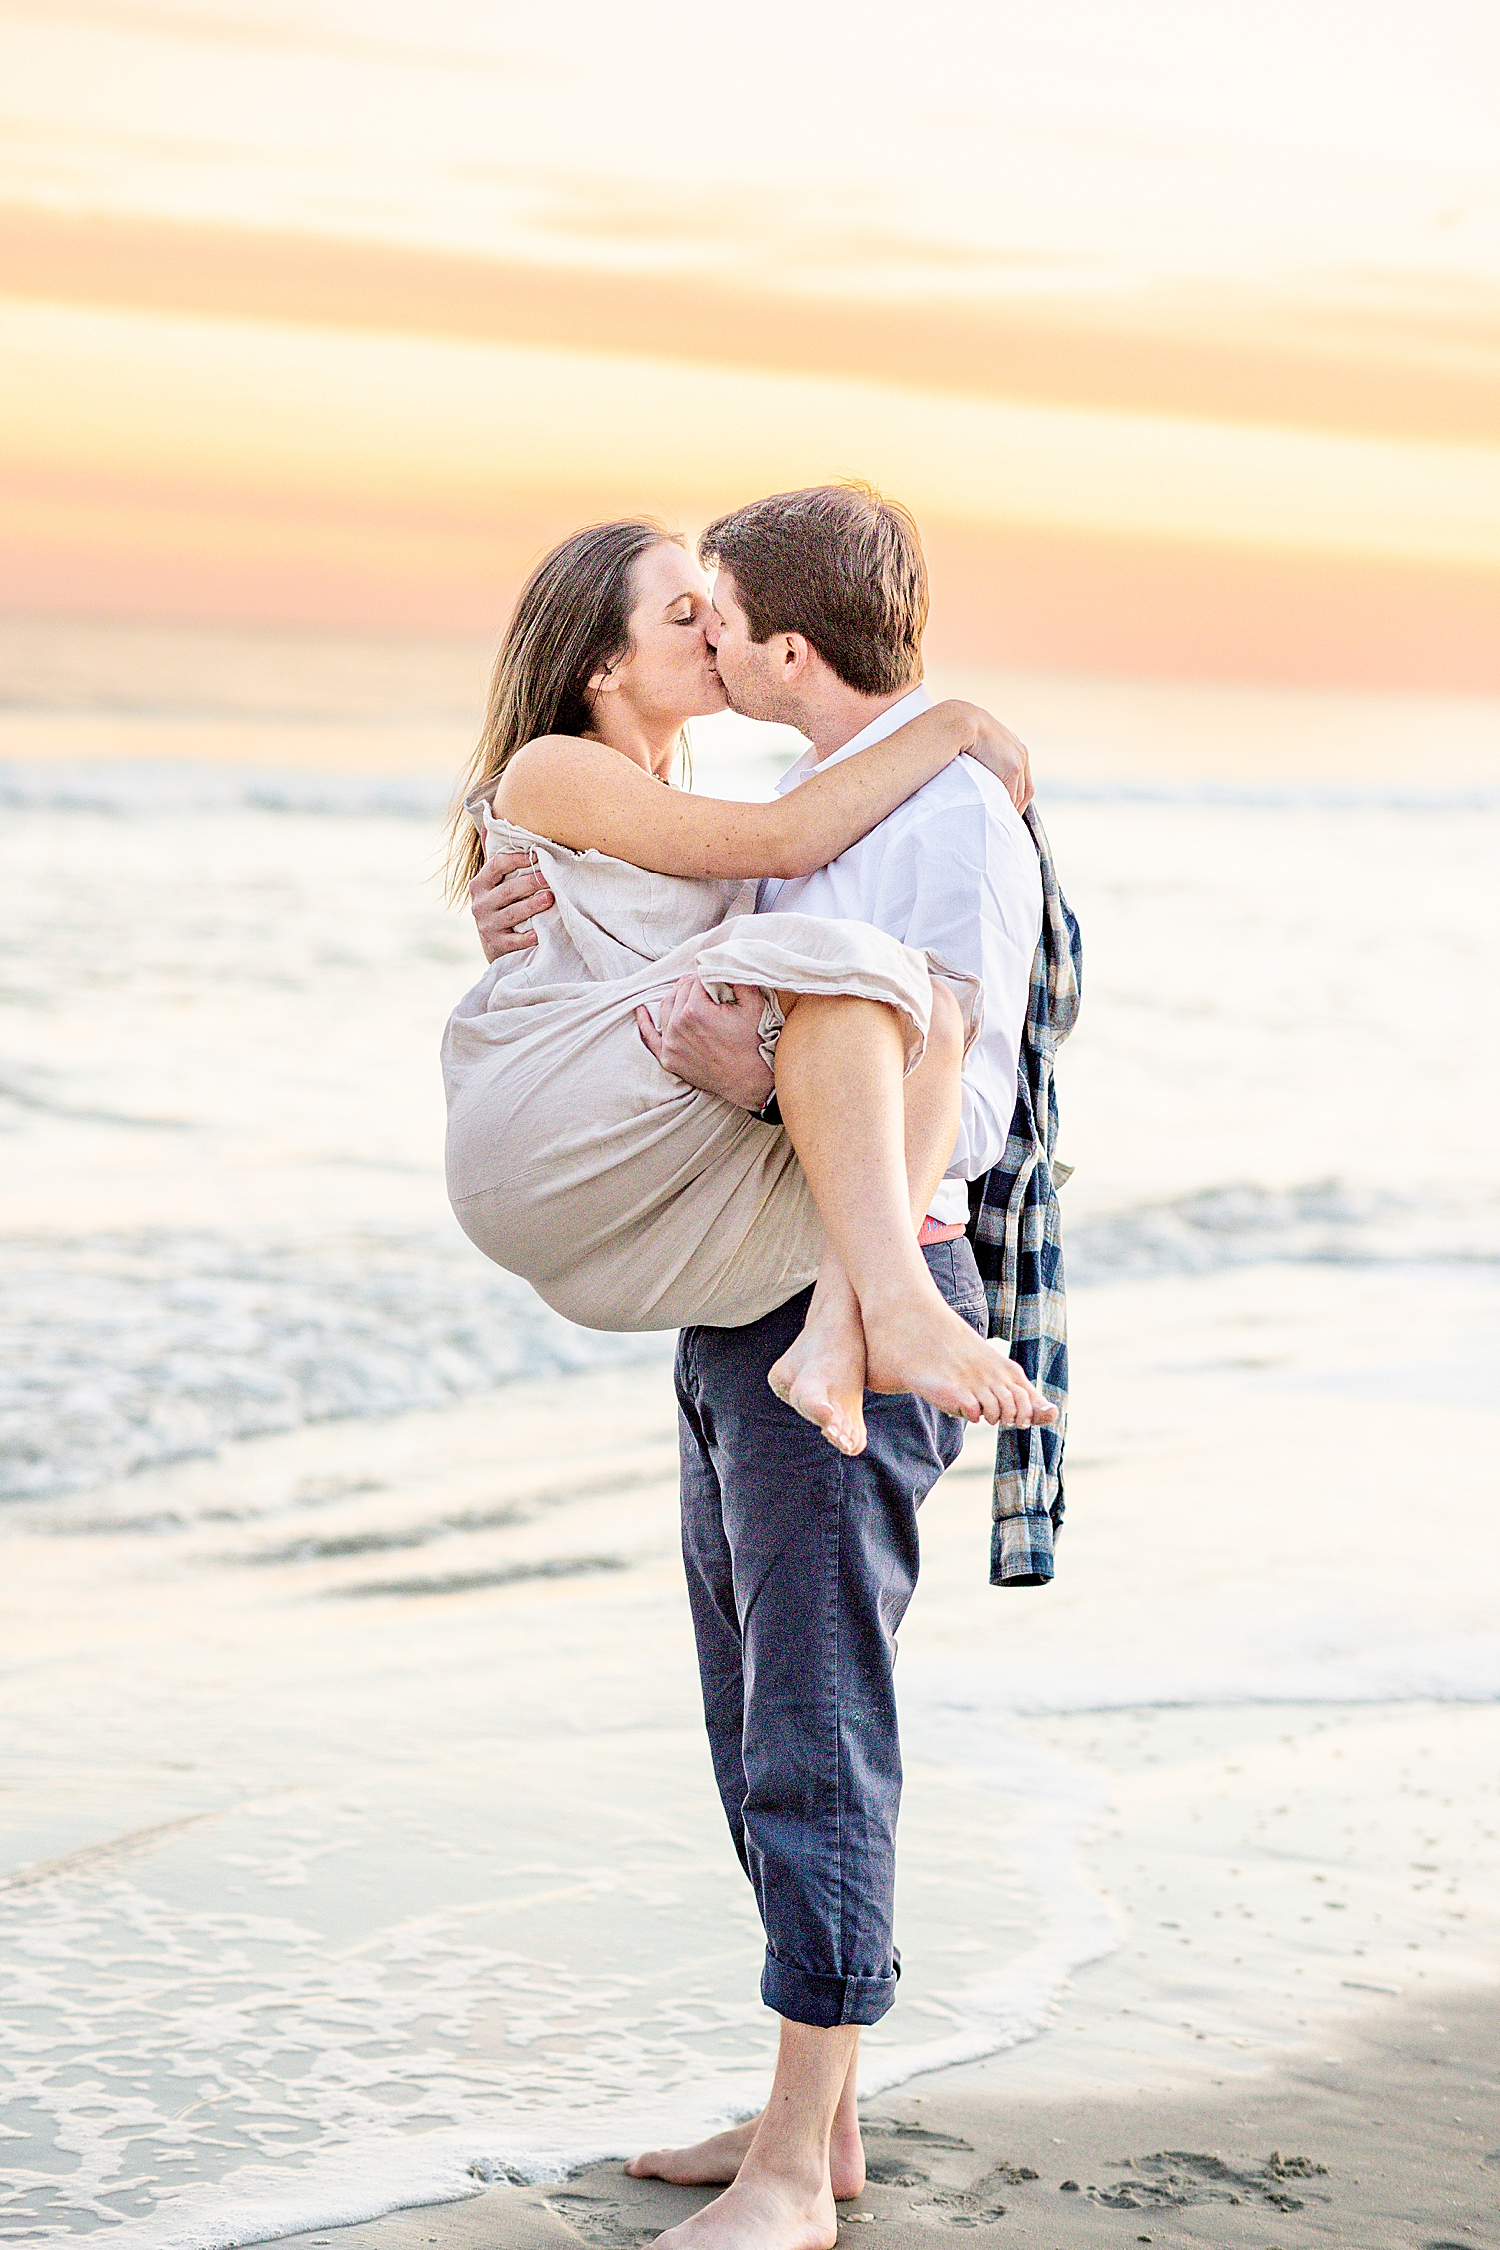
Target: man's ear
(790, 655)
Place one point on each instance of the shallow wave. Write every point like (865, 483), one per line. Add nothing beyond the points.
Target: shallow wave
(153, 786)
(1325, 796)
(169, 785)
(1323, 1222)
(339, 2080)
(133, 1351)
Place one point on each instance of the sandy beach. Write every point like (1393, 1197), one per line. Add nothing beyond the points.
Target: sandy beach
(1393, 2142)
(373, 1847)
(358, 1842)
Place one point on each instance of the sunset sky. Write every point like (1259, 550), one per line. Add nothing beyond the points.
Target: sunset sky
(1179, 326)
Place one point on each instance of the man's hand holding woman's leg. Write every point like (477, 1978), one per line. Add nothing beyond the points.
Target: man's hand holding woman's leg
(711, 1044)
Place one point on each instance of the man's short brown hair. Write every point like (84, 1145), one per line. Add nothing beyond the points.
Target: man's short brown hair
(839, 564)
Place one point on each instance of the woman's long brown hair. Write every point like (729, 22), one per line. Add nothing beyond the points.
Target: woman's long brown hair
(571, 622)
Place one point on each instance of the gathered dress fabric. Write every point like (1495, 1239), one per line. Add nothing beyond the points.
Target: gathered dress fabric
(627, 1199)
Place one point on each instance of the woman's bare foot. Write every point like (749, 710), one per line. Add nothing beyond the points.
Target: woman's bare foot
(915, 1342)
(717, 2160)
(822, 1375)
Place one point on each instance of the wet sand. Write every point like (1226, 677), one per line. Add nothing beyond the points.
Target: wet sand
(1392, 2145)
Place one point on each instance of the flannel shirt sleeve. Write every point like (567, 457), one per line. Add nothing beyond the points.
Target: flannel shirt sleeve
(1016, 1229)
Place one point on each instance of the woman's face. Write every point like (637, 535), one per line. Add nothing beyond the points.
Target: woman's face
(670, 674)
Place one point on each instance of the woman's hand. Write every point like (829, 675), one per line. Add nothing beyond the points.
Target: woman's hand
(1002, 752)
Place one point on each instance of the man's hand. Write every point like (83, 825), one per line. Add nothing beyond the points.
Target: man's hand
(503, 896)
(712, 1045)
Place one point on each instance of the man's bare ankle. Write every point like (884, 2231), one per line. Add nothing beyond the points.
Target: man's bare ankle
(801, 2170)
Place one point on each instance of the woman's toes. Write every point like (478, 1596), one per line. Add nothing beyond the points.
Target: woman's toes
(844, 1432)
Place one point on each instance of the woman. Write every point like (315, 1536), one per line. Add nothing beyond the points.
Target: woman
(626, 1198)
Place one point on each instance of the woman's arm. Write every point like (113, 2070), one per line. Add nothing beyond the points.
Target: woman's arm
(591, 798)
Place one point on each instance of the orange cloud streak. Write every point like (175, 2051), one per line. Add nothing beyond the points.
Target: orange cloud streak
(1010, 596)
(199, 546)
(1425, 363)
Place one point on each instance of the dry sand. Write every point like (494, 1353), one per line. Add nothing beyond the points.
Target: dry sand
(1393, 2146)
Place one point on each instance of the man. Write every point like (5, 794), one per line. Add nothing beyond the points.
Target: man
(800, 1560)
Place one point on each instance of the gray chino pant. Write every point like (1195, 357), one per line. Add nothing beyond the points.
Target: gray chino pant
(800, 1565)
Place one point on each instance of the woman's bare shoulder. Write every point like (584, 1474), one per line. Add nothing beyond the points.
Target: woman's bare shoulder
(547, 749)
(546, 759)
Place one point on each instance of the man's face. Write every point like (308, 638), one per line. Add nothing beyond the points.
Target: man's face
(752, 683)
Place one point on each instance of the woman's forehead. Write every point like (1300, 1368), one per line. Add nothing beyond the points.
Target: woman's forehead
(666, 572)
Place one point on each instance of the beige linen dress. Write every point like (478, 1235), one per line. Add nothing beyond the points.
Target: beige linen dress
(627, 1199)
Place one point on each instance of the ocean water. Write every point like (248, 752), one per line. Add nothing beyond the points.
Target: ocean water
(357, 1840)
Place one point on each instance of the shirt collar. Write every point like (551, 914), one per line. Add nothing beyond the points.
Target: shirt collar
(910, 704)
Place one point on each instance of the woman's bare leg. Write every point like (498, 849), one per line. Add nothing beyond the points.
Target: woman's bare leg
(823, 1374)
(839, 1065)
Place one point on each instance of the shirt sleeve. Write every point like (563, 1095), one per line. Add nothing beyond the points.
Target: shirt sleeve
(962, 885)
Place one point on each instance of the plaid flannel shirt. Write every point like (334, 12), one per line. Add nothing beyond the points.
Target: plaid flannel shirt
(1016, 1228)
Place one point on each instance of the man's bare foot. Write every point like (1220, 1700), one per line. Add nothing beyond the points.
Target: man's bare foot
(764, 2210)
(822, 1375)
(918, 1343)
(717, 2160)
(711, 2163)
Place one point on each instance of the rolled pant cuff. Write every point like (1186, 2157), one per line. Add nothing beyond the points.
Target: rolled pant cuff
(824, 2001)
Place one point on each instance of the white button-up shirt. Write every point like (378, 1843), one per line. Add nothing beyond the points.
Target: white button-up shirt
(952, 870)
